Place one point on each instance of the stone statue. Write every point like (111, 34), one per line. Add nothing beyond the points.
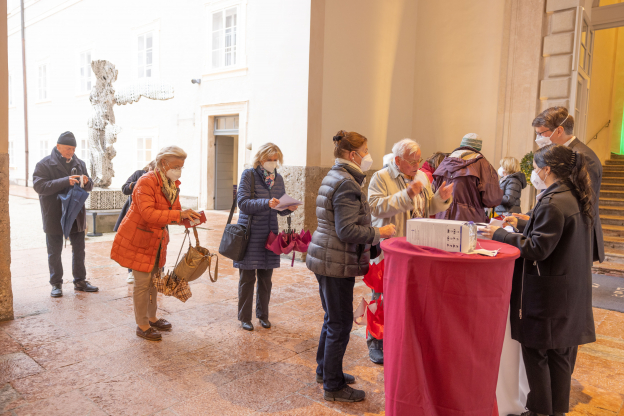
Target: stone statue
(102, 128)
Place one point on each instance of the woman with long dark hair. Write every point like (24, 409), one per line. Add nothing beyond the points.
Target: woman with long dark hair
(551, 309)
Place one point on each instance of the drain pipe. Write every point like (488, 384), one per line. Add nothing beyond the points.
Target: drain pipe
(25, 93)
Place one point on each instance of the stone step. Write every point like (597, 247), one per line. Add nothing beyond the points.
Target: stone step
(612, 186)
(612, 230)
(616, 156)
(610, 172)
(614, 256)
(611, 180)
(608, 268)
(618, 202)
(611, 194)
(612, 220)
(614, 162)
(611, 243)
(611, 210)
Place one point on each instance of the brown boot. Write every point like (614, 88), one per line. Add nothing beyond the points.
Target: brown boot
(151, 334)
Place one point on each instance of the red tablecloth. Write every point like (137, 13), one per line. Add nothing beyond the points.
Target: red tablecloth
(445, 317)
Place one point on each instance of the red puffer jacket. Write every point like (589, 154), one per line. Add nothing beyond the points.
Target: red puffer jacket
(139, 234)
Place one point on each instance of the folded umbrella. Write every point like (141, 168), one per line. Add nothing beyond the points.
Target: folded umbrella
(72, 202)
(287, 241)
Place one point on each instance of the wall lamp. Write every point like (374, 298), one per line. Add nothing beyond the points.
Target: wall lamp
(196, 81)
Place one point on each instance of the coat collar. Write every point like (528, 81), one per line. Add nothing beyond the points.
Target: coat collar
(556, 188)
(393, 170)
(55, 160)
(357, 175)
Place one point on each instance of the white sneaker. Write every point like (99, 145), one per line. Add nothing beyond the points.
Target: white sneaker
(130, 278)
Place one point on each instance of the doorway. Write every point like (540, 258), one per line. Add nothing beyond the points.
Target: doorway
(226, 161)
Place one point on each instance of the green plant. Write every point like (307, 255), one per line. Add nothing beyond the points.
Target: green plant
(526, 166)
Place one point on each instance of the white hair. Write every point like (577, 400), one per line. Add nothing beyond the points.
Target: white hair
(405, 147)
(170, 152)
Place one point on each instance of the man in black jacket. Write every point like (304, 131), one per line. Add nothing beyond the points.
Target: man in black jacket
(556, 125)
(54, 175)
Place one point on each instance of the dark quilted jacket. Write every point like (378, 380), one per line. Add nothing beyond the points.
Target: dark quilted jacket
(341, 244)
(264, 219)
(512, 187)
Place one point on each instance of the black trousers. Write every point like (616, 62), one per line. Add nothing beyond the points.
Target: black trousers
(337, 300)
(55, 248)
(550, 374)
(246, 290)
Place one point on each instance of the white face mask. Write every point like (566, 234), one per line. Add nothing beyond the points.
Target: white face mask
(367, 162)
(501, 172)
(269, 166)
(174, 174)
(537, 182)
(542, 141)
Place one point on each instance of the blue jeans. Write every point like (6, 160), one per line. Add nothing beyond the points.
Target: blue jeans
(55, 248)
(337, 300)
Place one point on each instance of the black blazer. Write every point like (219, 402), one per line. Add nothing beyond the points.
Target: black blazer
(595, 173)
(127, 189)
(551, 298)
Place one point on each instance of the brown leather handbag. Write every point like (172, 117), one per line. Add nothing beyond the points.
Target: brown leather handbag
(196, 261)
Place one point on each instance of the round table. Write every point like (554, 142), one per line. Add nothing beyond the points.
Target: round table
(445, 316)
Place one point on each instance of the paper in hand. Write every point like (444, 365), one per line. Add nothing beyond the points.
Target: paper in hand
(285, 202)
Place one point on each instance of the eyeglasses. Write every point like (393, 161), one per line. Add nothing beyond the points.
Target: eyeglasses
(414, 162)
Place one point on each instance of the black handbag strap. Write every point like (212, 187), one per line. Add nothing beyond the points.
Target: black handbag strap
(253, 196)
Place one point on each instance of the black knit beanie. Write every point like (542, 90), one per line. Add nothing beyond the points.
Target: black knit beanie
(67, 139)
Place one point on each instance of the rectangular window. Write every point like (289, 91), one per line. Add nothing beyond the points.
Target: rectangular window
(144, 151)
(146, 50)
(224, 37)
(43, 82)
(84, 151)
(43, 149)
(85, 71)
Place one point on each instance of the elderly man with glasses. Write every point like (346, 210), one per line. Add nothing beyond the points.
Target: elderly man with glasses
(400, 192)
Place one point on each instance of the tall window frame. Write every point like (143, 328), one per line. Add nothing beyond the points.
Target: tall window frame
(225, 39)
(145, 55)
(43, 77)
(85, 73)
(43, 148)
(144, 150)
(11, 153)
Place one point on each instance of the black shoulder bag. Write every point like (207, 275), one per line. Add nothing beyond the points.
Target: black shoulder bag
(236, 236)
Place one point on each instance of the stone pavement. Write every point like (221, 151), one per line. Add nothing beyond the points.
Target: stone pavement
(78, 355)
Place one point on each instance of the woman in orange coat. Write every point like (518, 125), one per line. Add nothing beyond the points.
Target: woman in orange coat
(142, 237)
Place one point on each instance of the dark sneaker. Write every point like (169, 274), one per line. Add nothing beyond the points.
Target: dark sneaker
(376, 356)
(247, 326)
(161, 325)
(347, 394)
(265, 323)
(348, 378)
(57, 291)
(151, 334)
(85, 286)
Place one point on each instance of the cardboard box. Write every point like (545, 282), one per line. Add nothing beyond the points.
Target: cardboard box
(453, 236)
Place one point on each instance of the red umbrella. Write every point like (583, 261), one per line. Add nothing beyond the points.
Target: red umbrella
(287, 241)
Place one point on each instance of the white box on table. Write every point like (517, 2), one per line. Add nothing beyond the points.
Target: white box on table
(449, 235)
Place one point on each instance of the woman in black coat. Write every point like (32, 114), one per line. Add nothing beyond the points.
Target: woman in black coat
(551, 308)
(127, 189)
(511, 183)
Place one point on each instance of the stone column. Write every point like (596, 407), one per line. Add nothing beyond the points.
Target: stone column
(6, 293)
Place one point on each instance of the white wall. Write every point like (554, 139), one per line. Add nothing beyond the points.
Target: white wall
(273, 80)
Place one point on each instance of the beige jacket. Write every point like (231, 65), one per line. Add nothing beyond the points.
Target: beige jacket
(390, 203)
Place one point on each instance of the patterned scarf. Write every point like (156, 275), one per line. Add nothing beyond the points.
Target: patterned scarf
(269, 178)
(169, 188)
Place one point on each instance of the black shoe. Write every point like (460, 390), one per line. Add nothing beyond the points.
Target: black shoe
(85, 286)
(57, 291)
(348, 378)
(151, 334)
(347, 394)
(265, 323)
(161, 325)
(376, 356)
(247, 326)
